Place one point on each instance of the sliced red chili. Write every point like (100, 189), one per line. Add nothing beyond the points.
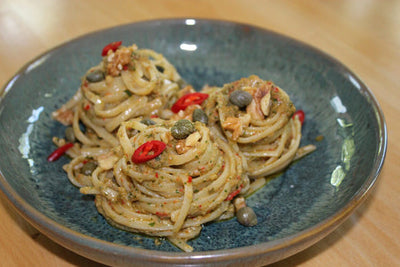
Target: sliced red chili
(300, 114)
(188, 100)
(59, 152)
(161, 214)
(234, 193)
(148, 151)
(111, 46)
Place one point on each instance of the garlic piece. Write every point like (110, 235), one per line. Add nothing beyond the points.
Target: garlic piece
(265, 103)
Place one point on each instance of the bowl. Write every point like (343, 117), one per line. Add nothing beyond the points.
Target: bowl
(295, 209)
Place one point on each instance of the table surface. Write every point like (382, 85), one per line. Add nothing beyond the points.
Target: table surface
(364, 35)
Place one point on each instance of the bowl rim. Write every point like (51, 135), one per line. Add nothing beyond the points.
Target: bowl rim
(71, 239)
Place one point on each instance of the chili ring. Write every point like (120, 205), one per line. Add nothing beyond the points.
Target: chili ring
(143, 152)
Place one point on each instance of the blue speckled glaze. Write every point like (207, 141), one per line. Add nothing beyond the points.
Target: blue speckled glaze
(302, 199)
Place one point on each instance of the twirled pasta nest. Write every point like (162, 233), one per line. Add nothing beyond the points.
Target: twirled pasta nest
(173, 194)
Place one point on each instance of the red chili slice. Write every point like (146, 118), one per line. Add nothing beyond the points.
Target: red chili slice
(161, 214)
(234, 193)
(111, 46)
(188, 100)
(59, 152)
(148, 151)
(300, 114)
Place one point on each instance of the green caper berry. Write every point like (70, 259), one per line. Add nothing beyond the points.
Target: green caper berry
(240, 98)
(200, 115)
(69, 134)
(148, 122)
(88, 168)
(182, 129)
(95, 76)
(246, 216)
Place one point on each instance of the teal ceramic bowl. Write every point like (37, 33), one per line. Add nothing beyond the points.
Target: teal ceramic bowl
(296, 209)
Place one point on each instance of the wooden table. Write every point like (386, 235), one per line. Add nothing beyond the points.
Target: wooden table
(364, 35)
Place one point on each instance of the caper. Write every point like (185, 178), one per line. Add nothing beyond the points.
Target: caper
(148, 122)
(88, 168)
(182, 129)
(69, 134)
(95, 76)
(246, 216)
(200, 115)
(240, 98)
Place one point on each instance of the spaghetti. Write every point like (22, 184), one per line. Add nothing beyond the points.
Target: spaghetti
(162, 159)
(263, 130)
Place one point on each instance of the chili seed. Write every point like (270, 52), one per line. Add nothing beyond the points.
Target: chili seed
(200, 115)
(95, 76)
(182, 129)
(240, 98)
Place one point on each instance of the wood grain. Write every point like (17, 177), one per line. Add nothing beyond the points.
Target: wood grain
(364, 35)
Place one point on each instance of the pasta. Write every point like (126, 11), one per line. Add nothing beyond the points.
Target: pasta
(264, 131)
(128, 83)
(162, 159)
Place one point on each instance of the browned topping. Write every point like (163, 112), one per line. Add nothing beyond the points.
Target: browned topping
(63, 115)
(181, 147)
(236, 125)
(185, 114)
(260, 104)
(116, 61)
